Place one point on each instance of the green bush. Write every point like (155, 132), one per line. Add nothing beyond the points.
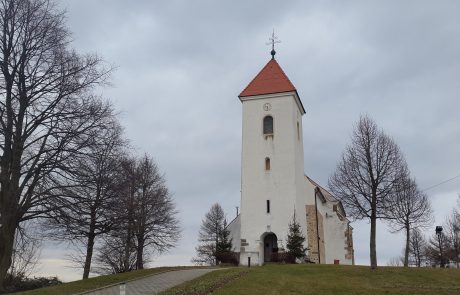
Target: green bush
(21, 283)
(229, 257)
(283, 257)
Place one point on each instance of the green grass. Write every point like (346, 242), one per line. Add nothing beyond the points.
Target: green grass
(328, 279)
(207, 283)
(291, 279)
(97, 282)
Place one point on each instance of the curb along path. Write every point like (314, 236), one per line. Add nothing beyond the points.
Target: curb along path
(153, 284)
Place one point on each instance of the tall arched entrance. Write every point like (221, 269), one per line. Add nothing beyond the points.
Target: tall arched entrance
(270, 246)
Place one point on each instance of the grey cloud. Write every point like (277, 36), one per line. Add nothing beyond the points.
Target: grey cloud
(181, 64)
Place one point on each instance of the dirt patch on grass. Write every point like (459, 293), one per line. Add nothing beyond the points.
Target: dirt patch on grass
(208, 284)
(222, 283)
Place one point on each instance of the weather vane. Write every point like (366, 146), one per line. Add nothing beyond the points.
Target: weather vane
(272, 42)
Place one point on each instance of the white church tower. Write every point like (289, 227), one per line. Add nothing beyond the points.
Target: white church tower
(274, 187)
(272, 175)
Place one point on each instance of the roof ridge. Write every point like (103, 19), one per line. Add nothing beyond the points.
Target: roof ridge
(285, 76)
(321, 187)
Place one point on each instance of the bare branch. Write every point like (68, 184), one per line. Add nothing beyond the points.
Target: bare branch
(366, 175)
(47, 112)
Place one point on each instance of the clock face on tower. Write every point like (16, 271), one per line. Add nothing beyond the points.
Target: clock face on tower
(267, 107)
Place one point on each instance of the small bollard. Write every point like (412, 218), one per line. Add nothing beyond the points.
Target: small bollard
(122, 289)
(249, 261)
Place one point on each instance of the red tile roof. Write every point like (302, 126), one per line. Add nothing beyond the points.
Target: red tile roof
(271, 79)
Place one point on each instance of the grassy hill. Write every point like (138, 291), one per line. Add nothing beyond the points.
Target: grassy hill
(324, 279)
(96, 282)
(292, 279)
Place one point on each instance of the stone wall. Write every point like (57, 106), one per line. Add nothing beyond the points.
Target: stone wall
(313, 235)
(349, 244)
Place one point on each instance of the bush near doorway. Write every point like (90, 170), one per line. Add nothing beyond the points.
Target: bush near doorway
(229, 257)
(283, 257)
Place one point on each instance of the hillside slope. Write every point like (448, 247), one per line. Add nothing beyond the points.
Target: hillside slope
(330, 279)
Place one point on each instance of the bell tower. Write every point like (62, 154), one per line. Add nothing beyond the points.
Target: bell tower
(272, 170)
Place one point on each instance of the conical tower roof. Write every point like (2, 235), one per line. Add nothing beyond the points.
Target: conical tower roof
(271, 79)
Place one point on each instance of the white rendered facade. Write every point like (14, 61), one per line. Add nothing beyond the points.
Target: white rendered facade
(271, 194)
(282, 185)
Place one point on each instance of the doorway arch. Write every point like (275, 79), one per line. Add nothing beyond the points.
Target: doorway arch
(270, 246)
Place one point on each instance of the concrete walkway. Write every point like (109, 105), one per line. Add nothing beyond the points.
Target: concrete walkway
(153, 284)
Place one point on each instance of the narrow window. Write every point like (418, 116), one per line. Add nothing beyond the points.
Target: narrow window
(268, 206)
(268, 125)
(267, 164)
(298, 131)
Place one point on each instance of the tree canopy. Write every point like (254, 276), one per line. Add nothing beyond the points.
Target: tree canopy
(366, 175)
(295, 240)
(214, 237)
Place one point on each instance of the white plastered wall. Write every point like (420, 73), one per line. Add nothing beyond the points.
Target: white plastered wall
(235, 233)
(283, 185)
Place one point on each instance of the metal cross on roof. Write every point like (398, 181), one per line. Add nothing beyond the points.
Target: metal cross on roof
(273, 39)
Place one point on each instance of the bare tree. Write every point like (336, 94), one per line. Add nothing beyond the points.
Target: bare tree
(436, 249)
(397, 261)
(90, 193)
(26, 252)
(417, 246)
(210, 236)
(47, 112)
(116, 255)
(146, 220)
(118, 251)
(409, 208)
(125, 209)
(155, 225)
(453, 235)
(365, 177)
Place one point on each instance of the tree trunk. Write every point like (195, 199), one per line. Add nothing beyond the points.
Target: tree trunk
(373, 248)
(140, 253)
(217, 242)
(129, 229)
(126, 262)
(89, 255)
(418, 257)
(457, 254)
(90, 243)
(441, 262)
(7, 233)
(406, 252)
(458, 262)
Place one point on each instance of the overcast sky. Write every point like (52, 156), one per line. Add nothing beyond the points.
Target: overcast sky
(181, 65)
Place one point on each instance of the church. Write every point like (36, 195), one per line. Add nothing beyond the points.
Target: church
(274, 187)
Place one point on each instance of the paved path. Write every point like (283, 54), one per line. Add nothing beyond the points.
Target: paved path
(154, 284)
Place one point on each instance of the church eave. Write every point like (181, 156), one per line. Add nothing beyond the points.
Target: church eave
(334, 200)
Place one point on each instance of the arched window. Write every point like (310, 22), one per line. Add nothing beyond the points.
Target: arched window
(267, 164)
(268, 125)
